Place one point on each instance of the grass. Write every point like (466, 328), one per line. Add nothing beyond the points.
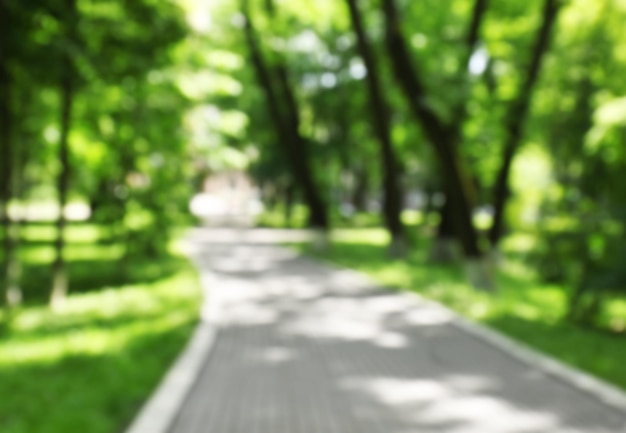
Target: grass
(525, 309)
(90, 366)
(275, 218)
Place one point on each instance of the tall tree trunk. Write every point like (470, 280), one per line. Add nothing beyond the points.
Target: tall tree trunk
(60, 279)
(459, 111)
(516, 117)
(454, 176)
(8, 273)
(444, 249)
(456, 181)
(443, 244)
(301, 157)
(284, 114)
(392, 203)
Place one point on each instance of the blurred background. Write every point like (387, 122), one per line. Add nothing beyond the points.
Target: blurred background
(470, 150)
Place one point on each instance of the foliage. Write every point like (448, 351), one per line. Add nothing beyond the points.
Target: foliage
(93, 113)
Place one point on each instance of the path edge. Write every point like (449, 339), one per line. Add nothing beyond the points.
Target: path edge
(159, 411)
(605, 392)
(596, 387)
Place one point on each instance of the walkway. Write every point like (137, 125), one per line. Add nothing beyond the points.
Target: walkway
(306, 348)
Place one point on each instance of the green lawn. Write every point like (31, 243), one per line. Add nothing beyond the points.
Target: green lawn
(90, 366)
(276, 218)
(526, 309)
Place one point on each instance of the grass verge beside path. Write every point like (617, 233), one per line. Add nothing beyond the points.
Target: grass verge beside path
(525, 309)
(89, 367)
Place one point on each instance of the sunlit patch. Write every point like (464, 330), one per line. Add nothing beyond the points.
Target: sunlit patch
(306, 41)
(429, 316)
(249, 260)
(248, 314)
(399, 391)
(479, 61)
(328, 80)
(199, 20)
(486, 414)
(77, 211)
(430, 403)
(470, 383)
(419, 40)
(352, 319)
(49, 211)
(388, 304)
(303, 289)
(276, 355)
(340, 325)
(358, 70)
(478, 310)
(391, 340)
(45, 338)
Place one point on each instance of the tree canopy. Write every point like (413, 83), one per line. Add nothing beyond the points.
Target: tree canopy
(486, 117)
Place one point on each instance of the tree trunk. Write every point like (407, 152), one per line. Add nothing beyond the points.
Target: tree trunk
(60, 279)
(284, 113)
(9, 276)
(392, 201)
(459, 112)
(300, 154)
(473, 33)
(516, 117)
(455, 179)
(443, 243)
(444, 248)
(60, 283)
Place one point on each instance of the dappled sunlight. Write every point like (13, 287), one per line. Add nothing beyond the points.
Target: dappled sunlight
(92, 363)
(255, 260)
(323, 347)
(432, 403)
(426, 317)
(369, 236)
(470, 151)
(49, 350)
(337, 318)
(399, 392)
(475, 414)
(49, 211)
(250, 315)
(277, 355)
(46, 254)
(96, 324)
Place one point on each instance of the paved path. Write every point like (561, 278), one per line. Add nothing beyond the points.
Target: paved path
(306, 348)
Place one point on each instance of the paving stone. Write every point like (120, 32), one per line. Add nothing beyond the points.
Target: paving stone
(306, 348)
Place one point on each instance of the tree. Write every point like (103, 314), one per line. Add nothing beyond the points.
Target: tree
(8, 271)
(392, 200)
(69, 20)
(517, 114)
(285, 115)
(454, 174)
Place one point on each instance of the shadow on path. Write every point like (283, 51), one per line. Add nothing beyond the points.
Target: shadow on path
(305, 348)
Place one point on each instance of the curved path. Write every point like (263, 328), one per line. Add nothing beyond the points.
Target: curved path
(306, 348)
